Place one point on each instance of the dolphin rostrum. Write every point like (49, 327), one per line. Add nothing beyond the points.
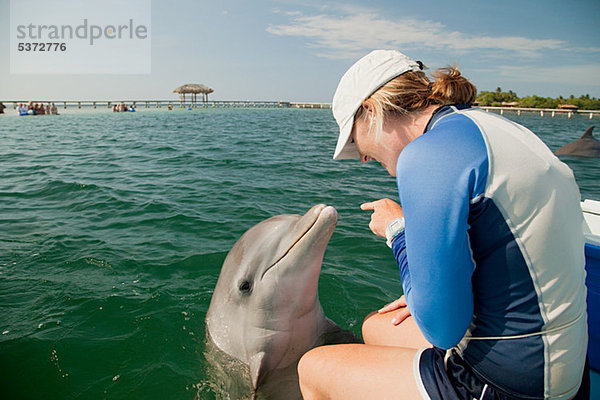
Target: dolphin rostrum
(265, 311)
(585, 146)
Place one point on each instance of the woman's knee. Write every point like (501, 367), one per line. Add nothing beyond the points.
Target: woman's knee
(378, 329)
(369, 326)
(307, 363)
(309, 366)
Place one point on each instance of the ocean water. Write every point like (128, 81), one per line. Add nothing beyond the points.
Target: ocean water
(113, 229)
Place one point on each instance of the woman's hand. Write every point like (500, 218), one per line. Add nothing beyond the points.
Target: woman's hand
(400, 305)
(385, 211)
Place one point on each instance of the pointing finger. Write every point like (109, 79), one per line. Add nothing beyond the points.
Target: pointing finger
(367, 206)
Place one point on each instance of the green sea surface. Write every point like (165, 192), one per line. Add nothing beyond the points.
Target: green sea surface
(114, 226)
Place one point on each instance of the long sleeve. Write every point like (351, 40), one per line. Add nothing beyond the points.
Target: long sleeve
(437, 175)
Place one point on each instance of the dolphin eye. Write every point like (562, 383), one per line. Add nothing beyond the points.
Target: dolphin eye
(245, 286)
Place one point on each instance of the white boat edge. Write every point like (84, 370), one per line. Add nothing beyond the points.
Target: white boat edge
(591, 225)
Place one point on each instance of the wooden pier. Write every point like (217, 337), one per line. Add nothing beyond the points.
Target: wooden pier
(543, 112)
(172, 103)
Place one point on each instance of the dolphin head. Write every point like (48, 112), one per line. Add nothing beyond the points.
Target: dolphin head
(265, 309)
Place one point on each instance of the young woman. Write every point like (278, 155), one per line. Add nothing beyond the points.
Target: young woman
(488, 241)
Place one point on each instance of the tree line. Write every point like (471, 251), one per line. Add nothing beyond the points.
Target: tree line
(584, 102)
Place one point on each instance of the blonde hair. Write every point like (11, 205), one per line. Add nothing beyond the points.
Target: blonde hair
(412, 92)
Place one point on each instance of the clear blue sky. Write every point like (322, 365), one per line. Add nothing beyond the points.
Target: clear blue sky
(297, 50)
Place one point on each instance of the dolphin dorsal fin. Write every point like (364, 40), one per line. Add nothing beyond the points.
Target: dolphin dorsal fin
(588, 133)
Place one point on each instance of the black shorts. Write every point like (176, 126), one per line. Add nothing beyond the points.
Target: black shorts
(455, 380)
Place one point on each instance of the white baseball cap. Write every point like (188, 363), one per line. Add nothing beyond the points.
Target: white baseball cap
(358, 83)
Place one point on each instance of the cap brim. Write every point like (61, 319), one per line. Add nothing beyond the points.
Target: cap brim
(345, 148)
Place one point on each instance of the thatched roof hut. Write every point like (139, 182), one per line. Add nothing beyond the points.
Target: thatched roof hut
(194, 89)
(568, 107)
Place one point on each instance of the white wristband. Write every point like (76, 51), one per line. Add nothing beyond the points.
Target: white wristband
(394, 228)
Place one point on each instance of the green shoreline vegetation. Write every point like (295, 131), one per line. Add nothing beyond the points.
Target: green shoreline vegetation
(500, 98)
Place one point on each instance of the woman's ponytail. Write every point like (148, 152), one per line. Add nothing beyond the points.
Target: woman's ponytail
(450, 87)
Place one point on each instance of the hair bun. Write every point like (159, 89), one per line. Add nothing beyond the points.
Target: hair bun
(450, 87)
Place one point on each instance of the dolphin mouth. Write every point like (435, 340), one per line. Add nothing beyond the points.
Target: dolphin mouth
(319, 211)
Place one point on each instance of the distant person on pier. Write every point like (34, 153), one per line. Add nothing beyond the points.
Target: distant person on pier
(488, 240)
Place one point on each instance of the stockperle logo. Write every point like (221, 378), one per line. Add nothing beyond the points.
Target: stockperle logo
(77, 37)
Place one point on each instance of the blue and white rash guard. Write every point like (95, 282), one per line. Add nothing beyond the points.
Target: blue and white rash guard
(492, 258)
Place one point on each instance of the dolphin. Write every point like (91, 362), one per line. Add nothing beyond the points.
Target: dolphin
(265, 311)
(585, 146)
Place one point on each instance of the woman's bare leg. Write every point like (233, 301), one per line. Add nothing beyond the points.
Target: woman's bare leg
(381, 368)
(378, 329)
(358, 371)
